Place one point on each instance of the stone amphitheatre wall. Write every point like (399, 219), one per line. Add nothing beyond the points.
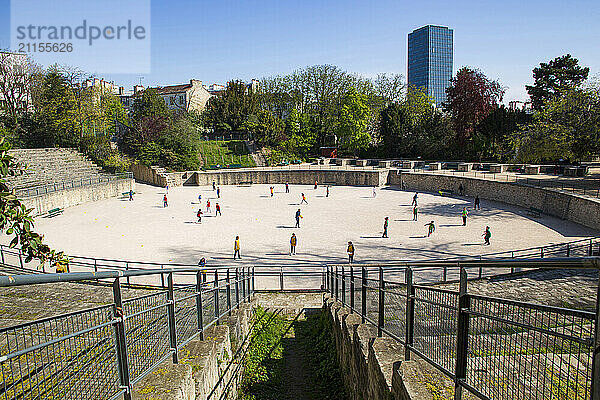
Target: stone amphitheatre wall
(295, 177)
(72, 197)
(580, 209)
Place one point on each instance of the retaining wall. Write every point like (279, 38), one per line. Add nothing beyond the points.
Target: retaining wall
(72, 197)
(296, 177)
(572, 207)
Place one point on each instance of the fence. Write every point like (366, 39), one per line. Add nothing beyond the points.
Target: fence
(69, 184)
(577, 248)
(101, 353)
(493, 347)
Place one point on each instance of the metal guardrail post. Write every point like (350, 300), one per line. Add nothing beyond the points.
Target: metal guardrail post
(596, 350)
(216, 296)
(127, 269)
(444, 273)
(237, 289)
(337, 283)
(21, 259)
(351, 289)
(568, 250)
(162, 277)
(228, 291)
(462, 338)
(121, 343)
(591, 250)
(281, 278)
(2, 253)
(243, 283)
(96, 265)
(253, 283)
(410, 313)
(327, 279)
(199, 304)
(332, 283)
(171, 318)
(343, 286)
(380, 321)
(541, 252)
(363, 295)
(248, 281)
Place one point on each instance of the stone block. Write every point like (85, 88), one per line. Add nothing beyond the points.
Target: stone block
(361, 163)
(498, 168)
(465, 167)
(532, 169)
(385, 164)
(409, 164)
(435, 166)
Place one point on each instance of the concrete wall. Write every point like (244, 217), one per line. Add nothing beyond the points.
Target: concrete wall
(296, 177)
(149, 175)
(72, 197)
(580, 209)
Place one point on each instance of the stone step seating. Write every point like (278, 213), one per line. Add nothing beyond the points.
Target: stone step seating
(50, 166)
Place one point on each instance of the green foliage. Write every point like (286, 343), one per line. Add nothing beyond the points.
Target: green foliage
(266, 128)
(354, 119)
(214, 152)
(566, 128)
(316, 337)
(554, 78)
(231, 110)
(99, 150)
(492, 138)
(16, 220)
(262, 375)
(58, 110)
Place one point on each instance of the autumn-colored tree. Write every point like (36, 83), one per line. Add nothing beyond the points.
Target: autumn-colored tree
(471, 96)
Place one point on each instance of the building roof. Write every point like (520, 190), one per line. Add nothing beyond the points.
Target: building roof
(173, 89)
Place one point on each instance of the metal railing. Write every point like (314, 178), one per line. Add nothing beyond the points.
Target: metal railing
(495, 348)
(38, 190)
(100, 353)
(14, 256)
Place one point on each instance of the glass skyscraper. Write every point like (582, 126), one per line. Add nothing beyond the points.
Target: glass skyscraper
(430, 56)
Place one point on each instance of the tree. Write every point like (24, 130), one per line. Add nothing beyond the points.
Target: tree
(390, 87)
(16, 220)
(471, 96)
(492, 137)
(554, 78)
(354, 119)
(567, 128)
(267, 129)
(231, 110)
(151, 117)
(17, 77)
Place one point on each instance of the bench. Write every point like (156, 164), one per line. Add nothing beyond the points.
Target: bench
(233, 166)
(54, 212)
(445, 192)
(534, 212)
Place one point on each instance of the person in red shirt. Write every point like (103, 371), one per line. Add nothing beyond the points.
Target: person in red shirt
(217, 209)
(165, 202)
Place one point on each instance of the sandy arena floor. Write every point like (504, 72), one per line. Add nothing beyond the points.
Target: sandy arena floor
(144, 230)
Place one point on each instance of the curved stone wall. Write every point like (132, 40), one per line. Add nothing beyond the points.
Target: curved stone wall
(580, 209)
(296, 177)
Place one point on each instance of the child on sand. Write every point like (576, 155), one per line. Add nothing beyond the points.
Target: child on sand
(487, 235)
(431, 228)
(385, 227)
(208, 205)
(217, 209)
(415, 212)
(293, 242)
(350, 251)
(199, 215)
(165, 202)
(303, 199)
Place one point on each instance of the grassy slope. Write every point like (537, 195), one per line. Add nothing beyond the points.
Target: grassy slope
(225, 152)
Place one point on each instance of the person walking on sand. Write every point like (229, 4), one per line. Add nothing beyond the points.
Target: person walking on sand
(218, 192)
(374, 192)
(214, 186)
(271, 189)
(200, 198)
(415, 199)
(327, 191)
(217, 209)
(385, 227)
(487, 235)
(303, 199)
(199, 215)
(287, 187)
(293, 242)
(208, 205)
(165, 201)
(415, 212)
(350, 251)
(236, 248)
(431, 228)
(477, 206)
(130, 194)
(298, 216)
(464, 214)
(316, 185)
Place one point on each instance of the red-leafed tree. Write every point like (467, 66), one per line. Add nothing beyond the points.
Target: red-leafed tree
(471, 96)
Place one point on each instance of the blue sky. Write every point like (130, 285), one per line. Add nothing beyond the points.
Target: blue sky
(220, 40)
